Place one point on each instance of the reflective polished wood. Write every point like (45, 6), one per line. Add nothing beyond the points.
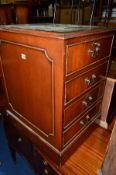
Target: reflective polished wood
(41, 85)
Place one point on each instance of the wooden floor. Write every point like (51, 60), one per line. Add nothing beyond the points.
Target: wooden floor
(88, 157)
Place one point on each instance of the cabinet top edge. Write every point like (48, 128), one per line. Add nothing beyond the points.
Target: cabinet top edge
(61, 31)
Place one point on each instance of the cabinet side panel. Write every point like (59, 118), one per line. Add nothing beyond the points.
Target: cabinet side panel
(30, 87)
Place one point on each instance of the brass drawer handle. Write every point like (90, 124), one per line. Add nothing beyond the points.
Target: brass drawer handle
(90, 98)
(45, 171)
(90, 80)
(96, 44)
(19, 139)
(94, 51)
(84, 102)
(93, 77)
(85, 121)
(82, 122)
(87, 118)
(88, 101)
(45, 162)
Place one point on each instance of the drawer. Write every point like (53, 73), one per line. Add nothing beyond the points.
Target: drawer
(26, 148)
(80, 84)
(83, 54)
(78, 127)
(17, 141)
(42, 167)
(74, 110)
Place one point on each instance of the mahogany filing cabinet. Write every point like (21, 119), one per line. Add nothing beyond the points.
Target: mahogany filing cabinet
(54, 77)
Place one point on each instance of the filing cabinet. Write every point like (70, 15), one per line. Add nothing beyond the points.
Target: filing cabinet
(54, 76)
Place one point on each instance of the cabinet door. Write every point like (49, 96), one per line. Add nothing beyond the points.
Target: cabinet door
(29, 80)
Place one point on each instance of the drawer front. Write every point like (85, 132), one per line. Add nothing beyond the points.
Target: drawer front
(17, 141)
(83, 82)
(81, 124)
(42, 167)
(81, 55)
(26, 148)
(73, 111)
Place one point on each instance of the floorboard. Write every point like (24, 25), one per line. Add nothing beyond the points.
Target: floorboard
(88, 158)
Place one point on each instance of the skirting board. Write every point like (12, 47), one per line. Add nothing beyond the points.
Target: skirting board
(99, 172)
(101, 123)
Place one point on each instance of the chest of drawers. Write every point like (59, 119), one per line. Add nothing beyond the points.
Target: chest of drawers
(54, 77)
